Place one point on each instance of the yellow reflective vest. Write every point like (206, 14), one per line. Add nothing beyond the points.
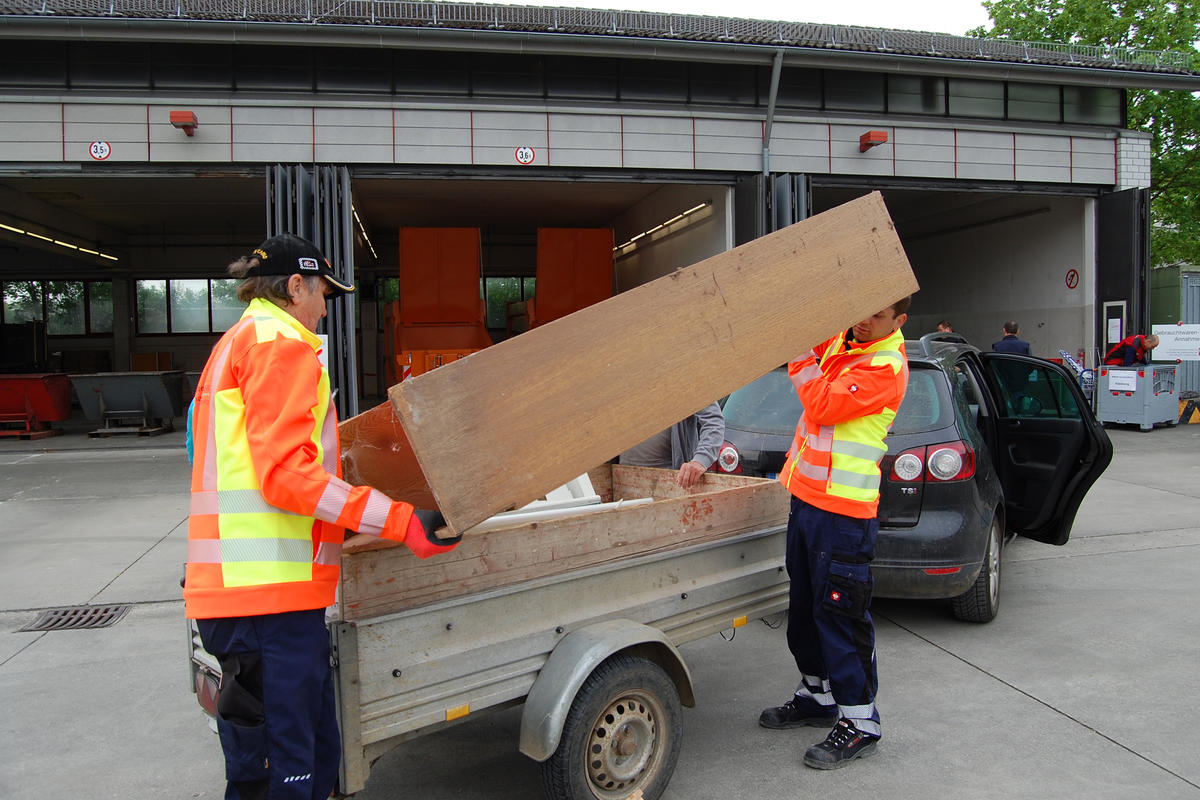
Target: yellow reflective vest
(269, 508)
(850, 393)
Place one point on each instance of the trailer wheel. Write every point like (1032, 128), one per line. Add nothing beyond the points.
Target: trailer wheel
(621, 736)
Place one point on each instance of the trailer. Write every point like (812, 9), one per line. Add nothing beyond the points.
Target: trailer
(579, 617)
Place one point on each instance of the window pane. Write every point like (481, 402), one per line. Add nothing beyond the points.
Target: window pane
(1092, 105)
(585, 78)
(189, 306)
(430, 73)
(64, 308)
(507, 75)
(226, 308)
(854, 91)
(389, 290)
(151, 306)
(654, 80)
(22, 301)
(529, 285)
(726, 84)
(1033, 102)
(916, 95)
(970, 98)
(798, 88)
(500, 292)
(100, 308)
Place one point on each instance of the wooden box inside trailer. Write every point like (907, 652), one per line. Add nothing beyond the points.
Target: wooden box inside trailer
(379, 577)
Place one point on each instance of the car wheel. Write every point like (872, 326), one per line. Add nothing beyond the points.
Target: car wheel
(621, 737)
(981, 602)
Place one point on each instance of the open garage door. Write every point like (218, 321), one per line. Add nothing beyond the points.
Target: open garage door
(1122, 265)
(319, 207)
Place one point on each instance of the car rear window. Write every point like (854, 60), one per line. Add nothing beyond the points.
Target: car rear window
(768, 405)
(925, 407)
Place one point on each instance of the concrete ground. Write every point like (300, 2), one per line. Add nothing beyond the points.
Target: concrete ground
(1084, 687)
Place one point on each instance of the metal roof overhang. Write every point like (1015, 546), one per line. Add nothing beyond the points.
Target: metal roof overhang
(351, 35)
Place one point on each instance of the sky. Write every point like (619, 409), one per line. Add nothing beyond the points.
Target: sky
(941, 16)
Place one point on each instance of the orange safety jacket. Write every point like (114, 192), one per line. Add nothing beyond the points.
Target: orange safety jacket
(269, 508)
(850, 394)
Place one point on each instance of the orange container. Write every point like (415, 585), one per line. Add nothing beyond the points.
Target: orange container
(574, 271)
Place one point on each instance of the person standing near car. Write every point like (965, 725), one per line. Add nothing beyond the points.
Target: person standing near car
(689, 446)
(851, 387)
(268, 515)
(1010, 343)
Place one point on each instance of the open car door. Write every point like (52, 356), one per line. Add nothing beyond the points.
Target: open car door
(1049, 447)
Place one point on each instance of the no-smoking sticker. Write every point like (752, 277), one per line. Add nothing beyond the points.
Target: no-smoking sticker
(1072, 278)
(525, 155)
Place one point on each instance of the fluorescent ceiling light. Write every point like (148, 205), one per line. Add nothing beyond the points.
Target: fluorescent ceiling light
(58, 242)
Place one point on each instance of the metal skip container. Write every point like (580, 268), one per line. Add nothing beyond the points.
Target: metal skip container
(143, 403)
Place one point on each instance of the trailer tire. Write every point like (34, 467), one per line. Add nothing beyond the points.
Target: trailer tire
(621, 736)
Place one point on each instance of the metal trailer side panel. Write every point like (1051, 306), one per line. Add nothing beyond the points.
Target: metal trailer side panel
(405, 674)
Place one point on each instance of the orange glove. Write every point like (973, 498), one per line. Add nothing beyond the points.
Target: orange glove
(420, 536)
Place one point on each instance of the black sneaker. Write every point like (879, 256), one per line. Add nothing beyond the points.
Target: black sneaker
(843, 744)
(796, 713)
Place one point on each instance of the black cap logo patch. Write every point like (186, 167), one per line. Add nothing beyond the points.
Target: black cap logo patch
(309, 264)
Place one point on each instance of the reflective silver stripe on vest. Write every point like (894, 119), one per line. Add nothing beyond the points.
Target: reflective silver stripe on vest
(811, 471)
(231, 551)
(234, 501)
(375, 514)
(855, 480)
(208, 475)
(822, 440)
(329, 440)
(333, 500)
(809, 373)
(859, 450)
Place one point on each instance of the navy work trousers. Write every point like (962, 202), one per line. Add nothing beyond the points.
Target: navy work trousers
(830, 631)
(276, 714)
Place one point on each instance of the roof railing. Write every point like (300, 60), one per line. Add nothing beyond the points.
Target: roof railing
(475, 16)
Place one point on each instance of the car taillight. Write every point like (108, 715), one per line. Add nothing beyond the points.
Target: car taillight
(728, 459)
(952, 461)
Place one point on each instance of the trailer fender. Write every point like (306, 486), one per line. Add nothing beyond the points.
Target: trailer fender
(572, 661)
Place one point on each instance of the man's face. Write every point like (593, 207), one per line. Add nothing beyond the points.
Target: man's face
(308, 303)
(878, 325)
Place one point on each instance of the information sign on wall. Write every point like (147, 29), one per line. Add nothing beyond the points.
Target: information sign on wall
(1177, 342)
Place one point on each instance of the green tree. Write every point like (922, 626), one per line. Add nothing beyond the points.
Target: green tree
(1172, 118)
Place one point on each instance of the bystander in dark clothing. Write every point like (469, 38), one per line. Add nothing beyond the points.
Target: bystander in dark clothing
(1010, 343)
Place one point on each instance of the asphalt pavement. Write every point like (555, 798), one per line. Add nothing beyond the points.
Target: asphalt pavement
(1084, 686)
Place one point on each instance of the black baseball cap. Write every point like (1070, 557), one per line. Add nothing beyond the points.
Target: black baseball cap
(288, 254)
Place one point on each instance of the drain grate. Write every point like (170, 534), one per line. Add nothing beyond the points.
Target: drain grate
(77, 617)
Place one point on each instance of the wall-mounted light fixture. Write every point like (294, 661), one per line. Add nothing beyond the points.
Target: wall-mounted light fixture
(871, 139)
(185, 121)
(672, 221)
(58, 242)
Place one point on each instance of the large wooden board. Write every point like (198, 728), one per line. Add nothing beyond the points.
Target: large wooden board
(376, 452)
(380, 577)
(501, 427)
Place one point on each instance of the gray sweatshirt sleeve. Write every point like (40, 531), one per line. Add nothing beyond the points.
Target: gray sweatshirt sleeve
(712, 434)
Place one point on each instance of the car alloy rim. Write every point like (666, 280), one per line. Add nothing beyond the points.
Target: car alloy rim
(993, 565)
(624, 749)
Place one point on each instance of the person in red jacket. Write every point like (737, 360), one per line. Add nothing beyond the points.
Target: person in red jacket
(268, 516)
(851, 387)
(1130, 350)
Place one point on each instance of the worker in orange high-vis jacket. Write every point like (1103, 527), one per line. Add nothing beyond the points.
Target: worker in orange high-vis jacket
(850, 387)
(268, 516)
